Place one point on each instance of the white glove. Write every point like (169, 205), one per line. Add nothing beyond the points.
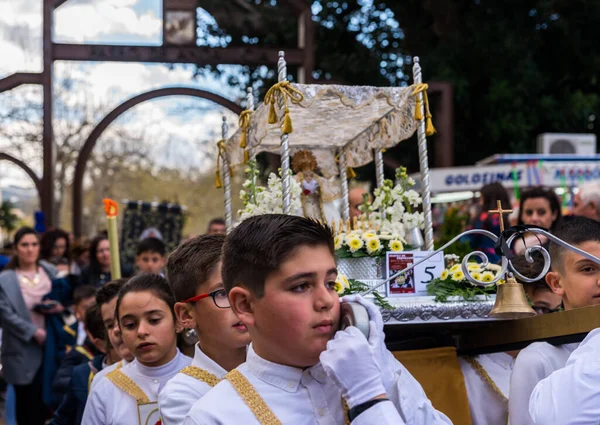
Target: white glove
(349, 361)
(384, 359)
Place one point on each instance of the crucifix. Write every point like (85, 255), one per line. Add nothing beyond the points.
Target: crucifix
(501, 212)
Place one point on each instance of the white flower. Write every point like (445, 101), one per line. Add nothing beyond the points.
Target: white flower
(413, 198)
(354, 243)
(373, 245)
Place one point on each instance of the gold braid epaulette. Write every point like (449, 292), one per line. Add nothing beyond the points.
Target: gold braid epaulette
(252, 399)
(201, 375)
(485, 376)
(127, 384)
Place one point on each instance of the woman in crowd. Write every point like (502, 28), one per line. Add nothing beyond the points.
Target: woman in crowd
(97, 273)
(54, 248)
(490, 195)
(24, 284)
(80, 256)
(539, 207)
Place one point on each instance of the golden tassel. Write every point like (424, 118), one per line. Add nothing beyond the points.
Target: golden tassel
(429, 128)
(243, 143)
(350, 173)
(287, 122)
(218, 183)
(418, 113)
(272, 114)
(246, 157)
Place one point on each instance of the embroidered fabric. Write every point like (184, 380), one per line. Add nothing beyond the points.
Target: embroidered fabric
(357, 119)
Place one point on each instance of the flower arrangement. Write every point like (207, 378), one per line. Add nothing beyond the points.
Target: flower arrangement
(453, 283)
(344, 286)
(266, 200)
(368, 243)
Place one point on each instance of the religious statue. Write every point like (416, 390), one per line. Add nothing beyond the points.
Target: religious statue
(321, 197)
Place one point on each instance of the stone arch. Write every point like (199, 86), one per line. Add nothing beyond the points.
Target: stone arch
(34, 177)
(89, 144)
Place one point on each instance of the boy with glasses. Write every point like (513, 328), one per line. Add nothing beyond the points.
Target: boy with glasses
(194, 274)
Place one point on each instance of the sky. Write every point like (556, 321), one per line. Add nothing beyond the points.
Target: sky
(108, 83)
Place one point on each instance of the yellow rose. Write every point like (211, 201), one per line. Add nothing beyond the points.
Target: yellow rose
(396, 245)
(338, 241)
(444, 274)
(373, 245)
(458, 275)
(355, 243)
(487, 277)
(455, 268)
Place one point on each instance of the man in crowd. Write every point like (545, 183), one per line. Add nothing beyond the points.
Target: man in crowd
(587, 201)
(216, 227)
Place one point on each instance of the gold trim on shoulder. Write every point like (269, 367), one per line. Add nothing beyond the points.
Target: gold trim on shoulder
(252, 399)
(126, 384)
(480, 370)
(201, 375)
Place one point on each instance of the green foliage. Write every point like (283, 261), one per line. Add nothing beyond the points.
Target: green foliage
(356, 287)
(8, 220)
(444, 289)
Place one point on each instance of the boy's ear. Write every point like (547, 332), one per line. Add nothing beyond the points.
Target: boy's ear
(553, 281)
(100, 344)
(241, 299)
(185, 316)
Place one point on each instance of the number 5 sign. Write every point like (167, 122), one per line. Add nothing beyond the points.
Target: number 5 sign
(420, 276)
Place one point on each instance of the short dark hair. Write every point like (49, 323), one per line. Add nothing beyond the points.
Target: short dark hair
(154, 245)
(109, 291)
(83, 292)
(217, 220)
(192, 263)
(154, 283)
(541, 192)
(258, 246)
(93, 322)
(574, 230)
(531, 270)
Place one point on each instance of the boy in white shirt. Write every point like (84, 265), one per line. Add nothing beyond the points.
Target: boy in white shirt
(280, 273)
(575, 279)
(194, 275)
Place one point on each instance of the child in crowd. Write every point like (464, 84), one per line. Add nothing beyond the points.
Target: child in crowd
(280, 273)
(84, 298)
(71, 408)
(118, 355)
(194, 274)
(150, 256)
(147, 321)
(575, 279)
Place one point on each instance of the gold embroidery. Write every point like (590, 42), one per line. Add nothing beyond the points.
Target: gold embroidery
(485, 376)
(127, 384)
(83, 351)
(200, 375)
(252, 399)
(346, 408)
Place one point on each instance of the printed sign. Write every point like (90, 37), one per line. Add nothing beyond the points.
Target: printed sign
(413, 282)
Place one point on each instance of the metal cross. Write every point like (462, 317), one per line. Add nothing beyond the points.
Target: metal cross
(501, 212)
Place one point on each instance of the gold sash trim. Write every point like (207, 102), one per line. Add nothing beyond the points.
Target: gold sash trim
(200, 375)
(83, 351)
(127, 384)
(252, 399)
(485, 376)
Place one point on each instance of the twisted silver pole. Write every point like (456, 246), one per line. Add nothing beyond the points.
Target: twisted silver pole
(423, 160)
(226, 177)
(249, 107)
(344, 181)
(378, 154)
(285, 145)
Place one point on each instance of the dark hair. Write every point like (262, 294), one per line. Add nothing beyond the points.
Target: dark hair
(153, 245)
(93, 322)
(83, 292)
(547, 194)
(574, 230)
(531, 270)
(192, 263)
(47, 244)
(94, 266)
(20, 234)
(79, 247)
(217, 220)
(258, 246)
(109, 291)
(154, 283)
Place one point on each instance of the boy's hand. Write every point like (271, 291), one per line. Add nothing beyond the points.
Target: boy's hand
(349, 361)
(376, 338)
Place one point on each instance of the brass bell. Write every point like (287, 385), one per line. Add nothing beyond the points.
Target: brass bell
(511, 302)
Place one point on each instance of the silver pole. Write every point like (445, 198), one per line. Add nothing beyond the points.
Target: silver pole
(378, 154)
(249, 107)
(285, 145)
(226, 178)
(344, 182)
(423, 160)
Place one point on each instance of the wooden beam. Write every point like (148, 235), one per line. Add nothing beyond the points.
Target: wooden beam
(198, 55)
(59, 3)
(18, 78)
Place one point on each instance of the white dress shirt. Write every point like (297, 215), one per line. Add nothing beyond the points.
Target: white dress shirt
(487, 407)
(97, 377)
(182, 391)
(571, 395)
(109, 405)
(534, 363)
(308, 397)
